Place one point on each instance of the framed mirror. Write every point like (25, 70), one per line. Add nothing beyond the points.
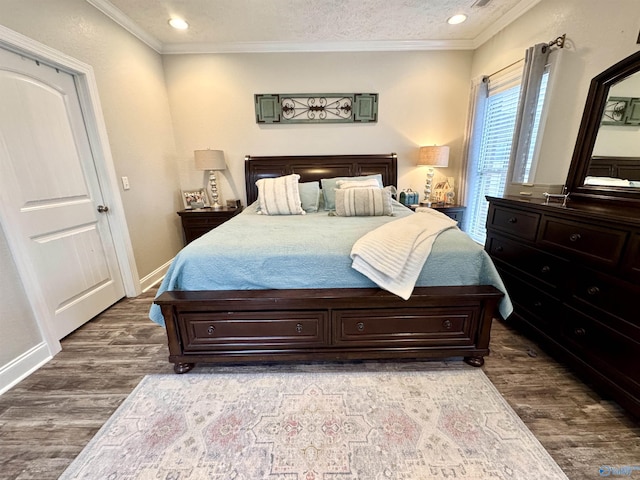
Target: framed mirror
(606, 159)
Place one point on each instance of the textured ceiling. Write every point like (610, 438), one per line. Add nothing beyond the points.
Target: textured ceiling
(220, 24)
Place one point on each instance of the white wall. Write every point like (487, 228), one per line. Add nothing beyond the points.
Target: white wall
(423, 101)
(599, 34)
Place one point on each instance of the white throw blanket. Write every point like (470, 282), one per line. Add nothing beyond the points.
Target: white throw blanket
(393, 255)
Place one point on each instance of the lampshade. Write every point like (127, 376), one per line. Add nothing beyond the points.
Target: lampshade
(210, 160)
(434, 156)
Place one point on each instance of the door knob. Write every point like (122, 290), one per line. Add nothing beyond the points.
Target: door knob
(103, 208)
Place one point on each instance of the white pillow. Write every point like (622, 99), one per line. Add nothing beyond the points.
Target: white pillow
(280, 196)
(370, 183)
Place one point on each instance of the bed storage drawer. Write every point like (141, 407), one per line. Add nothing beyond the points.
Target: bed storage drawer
(233, 330)
(437, 326)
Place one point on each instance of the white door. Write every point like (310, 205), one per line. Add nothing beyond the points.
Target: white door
(50, 194)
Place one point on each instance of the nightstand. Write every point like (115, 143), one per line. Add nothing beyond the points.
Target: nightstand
(199, 221)
(454, 211)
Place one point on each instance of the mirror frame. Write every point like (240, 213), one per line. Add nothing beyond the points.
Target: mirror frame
(591, 118)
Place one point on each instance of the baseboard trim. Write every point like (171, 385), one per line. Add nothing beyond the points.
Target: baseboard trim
(21, 367)
(155, 277)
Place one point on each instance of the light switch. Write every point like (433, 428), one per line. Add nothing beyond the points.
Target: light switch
(125, 183)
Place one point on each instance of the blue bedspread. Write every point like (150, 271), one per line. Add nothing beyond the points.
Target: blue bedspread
(253, 251)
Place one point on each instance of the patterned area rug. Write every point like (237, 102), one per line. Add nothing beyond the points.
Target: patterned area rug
(399, 421)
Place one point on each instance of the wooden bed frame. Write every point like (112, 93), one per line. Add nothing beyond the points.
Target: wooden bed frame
(326, 324)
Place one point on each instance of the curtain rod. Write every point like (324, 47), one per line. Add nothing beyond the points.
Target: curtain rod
(558, 42)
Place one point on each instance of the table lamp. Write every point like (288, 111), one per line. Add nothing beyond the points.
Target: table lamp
(433, 156)
(212, 160)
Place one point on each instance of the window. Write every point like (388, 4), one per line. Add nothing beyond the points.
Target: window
(489, 162)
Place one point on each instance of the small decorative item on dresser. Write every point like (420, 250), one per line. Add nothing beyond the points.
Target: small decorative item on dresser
(233, 203)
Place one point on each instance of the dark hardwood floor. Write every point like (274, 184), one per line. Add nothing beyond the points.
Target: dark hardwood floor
(48, 418)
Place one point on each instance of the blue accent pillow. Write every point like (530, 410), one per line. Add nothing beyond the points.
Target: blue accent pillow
(309, 196)
(329, 186)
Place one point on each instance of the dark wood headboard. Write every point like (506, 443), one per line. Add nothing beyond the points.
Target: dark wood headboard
(314, 167)
(627, 168)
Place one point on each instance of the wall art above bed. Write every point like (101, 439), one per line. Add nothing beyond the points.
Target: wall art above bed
(316, 108)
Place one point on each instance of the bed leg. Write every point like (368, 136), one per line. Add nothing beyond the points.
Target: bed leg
(474, 361)
(183, 367)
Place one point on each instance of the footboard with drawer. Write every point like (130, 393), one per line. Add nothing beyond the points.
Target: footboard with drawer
(327, 324)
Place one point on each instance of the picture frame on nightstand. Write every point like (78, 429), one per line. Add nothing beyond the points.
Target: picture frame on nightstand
(195, 198)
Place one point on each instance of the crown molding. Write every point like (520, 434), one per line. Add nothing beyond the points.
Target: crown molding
(511, 16)
(310, 47)
(118, 16)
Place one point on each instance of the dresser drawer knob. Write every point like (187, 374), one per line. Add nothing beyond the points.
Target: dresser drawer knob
(545, 269)
(593, 290)
(574, 237)
(579, 332)
(211, 329)
(299, 327)
(513, 220)
(499, 249)
(360, 326)
(447, 324)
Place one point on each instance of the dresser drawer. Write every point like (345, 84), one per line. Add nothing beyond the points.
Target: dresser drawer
(255, 330)
(515, 222)
(210, 222)
(607, 294)
(603, 245)
(612, 355)
(542, 310)
(544, 267)
(403, 327)
(631, 262)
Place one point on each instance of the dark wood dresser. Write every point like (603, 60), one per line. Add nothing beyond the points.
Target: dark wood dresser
(573, 274)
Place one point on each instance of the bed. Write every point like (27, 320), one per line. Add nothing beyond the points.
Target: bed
(311, 305)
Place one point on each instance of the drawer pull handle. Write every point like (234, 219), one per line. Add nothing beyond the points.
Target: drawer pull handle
(447, 324)
(299, 327)
(574, 237)
(360, 326)
(499, 249)
(545, 269)
(537, 304)
(513, 220)
(211, 329)
(580, 332)
(593, 290)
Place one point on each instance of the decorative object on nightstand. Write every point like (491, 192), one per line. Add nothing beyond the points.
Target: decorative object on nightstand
(432, 156)
(196, 223)
(212, 160)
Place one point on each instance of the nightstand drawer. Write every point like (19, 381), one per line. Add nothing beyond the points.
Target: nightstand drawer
(515, 222)
(603, 245)
(196, 223)
(264, 330)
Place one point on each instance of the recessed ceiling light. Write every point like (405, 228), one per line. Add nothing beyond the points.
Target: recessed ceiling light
(178, 24)
(456, 19)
